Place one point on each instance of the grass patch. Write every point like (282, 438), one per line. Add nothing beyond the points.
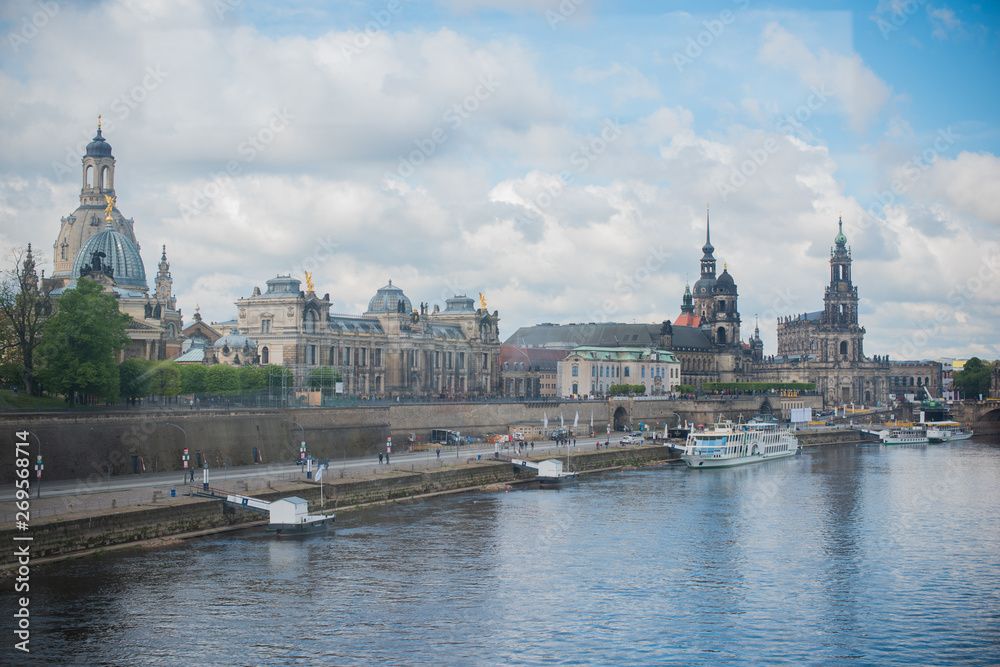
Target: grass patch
(27, 402)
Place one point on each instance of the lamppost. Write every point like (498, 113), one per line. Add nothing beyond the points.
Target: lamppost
(38, 466)
(185, 445)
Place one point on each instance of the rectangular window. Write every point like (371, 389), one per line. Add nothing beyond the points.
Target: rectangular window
(461, 361)
(437, 360)
(576, 371)
(363, 356)
(486, 361)
(333, 356)
(447, 360)
(265, 326)
(378, 357)
(347, 356)
(311, 355)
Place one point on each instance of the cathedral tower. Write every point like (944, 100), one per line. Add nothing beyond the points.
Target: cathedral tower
(840, 305)
(89, 218)
(715, 298)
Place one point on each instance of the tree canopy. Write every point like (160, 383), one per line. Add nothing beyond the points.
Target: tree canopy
(81, 342)
(166, 378)
(974, 378)
(135, 378)
(24, 306)
(193, 378)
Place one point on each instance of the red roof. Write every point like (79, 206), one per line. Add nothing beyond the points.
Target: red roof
(687, 320)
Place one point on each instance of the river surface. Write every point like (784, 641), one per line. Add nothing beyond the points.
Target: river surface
(846, 554)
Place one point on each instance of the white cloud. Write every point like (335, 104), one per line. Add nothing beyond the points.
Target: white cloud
(966, 184)
(944, 22)
(855, 88)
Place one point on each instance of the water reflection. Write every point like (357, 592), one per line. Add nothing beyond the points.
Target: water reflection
(844, 553)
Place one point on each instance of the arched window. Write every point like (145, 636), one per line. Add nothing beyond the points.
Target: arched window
(310, 321)
(843, 347)
(506, 365)
(911, 382)
(265, 355)
(721, 337)
(920, 382)
(88, 177)
(104, 182)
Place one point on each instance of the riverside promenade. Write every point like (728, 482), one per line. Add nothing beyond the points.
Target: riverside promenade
(72, 520)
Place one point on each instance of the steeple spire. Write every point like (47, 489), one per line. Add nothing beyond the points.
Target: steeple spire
(708, 259)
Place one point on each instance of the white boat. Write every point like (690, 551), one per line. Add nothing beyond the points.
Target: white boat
(946, 431)
(727, 444)
(903, 435)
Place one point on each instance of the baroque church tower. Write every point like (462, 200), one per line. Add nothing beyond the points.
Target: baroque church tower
(840, 311)
(715, 298)
(89, 217)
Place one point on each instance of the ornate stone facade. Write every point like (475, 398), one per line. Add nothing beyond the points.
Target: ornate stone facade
(391, 350)
(98, 243)
(827, 347)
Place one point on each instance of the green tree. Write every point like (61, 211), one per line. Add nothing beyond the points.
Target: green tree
(974, 378)
(685, 388)
(323, 377)
(135, 379)
(252, 379)
(222, 379)
(81, 342)
(24, 307)
(166, 378)
(193, 378)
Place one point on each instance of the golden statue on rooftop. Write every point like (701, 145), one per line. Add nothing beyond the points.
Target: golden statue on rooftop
(111, 205)
(482, 300)
(309, 282)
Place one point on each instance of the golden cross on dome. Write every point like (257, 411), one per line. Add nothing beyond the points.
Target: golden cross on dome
(98, 121)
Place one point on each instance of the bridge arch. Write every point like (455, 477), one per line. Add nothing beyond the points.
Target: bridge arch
(991, 416)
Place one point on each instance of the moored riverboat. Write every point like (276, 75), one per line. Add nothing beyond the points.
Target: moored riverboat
(727, 444)
(905, 435)
(938, 432)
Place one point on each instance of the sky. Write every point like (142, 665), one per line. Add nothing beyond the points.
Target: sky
(556, 156)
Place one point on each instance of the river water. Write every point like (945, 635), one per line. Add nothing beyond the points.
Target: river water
(845, 554)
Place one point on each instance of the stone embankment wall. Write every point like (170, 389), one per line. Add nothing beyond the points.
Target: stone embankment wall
(842, 437)
(63, 537)
(84, 446)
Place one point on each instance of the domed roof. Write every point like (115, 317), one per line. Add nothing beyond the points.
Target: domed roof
(235, 340)
(704, 286)
(725, 281)
(99, 147)
(840, 239)
(388, 298)
(119, 254)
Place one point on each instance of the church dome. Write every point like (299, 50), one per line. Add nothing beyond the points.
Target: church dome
(704, 286)
(99, 147)
(120, 254)
(389, 299)
(234, 340)
(725, 282)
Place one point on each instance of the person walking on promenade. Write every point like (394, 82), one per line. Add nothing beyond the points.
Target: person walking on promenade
(380, 458)
(387, 458)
